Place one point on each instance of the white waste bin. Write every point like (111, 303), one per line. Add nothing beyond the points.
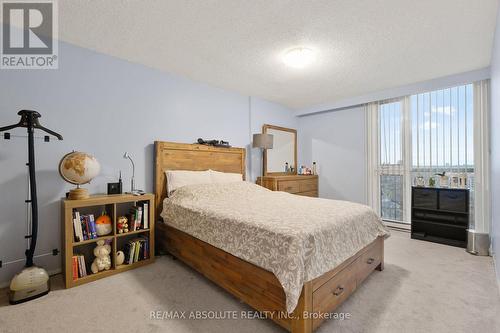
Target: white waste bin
(478, 243)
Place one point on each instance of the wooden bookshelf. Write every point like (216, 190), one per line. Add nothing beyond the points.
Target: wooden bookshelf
(115, 206)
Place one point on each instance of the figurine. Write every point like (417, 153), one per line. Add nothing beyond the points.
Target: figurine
(120, 258)
(419, 181)
(432, 182)
(122, 225)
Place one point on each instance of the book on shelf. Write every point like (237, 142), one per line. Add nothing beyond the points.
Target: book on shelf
(139, 216)
(79, 267)
(136, 250)
(75, 267)
(76, 231)
(92, 227)
(145, 215)
(84, 226)
(77, 225)
(136, 218)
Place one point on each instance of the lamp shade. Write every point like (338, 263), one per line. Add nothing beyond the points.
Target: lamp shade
(262, 140)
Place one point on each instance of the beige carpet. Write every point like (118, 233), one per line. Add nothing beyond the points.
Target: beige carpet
(425, 287)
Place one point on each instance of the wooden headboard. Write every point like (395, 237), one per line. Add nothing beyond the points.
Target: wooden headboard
(184, 156)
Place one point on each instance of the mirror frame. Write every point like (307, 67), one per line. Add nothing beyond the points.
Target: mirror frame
(266, 127)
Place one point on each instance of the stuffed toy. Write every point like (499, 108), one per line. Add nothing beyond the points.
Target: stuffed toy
(103, 225)
(102, 259)
(122, 225)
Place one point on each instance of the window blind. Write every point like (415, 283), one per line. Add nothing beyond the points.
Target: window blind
(391, 160)
(442, 130)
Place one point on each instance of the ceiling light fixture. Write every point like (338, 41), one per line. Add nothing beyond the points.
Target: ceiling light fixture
(299, 57)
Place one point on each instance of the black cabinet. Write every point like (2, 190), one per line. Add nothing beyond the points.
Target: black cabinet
(440, 215)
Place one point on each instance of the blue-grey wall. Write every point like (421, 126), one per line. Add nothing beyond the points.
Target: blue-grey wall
(336, 141)
(106, 106)
(495, 149)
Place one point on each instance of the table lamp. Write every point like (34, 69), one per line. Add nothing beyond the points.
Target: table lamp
(132, 180)
(262, 141)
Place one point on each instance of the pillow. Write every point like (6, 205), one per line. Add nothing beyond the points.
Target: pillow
(180, 178)
(225, 177)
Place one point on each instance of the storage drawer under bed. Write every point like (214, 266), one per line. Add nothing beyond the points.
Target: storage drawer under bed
(345, 282)
(368, 261)
(335, 291)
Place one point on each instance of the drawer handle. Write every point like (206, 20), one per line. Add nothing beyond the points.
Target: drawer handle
(338, 291)
(370, 261)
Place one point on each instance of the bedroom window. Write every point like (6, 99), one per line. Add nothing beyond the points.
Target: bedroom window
(443, 133)
(391, 167)
(422, 135)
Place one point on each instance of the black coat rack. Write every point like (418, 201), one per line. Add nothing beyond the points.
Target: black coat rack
(29, 120)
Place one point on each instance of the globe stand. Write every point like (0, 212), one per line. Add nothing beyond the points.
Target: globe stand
(78, 193)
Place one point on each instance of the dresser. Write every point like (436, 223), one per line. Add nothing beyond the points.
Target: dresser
(306, 185)
(440, 215)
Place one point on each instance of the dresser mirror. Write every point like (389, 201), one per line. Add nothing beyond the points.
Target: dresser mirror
(284, 151)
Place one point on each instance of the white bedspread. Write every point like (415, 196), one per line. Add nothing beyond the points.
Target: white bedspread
(297, 238)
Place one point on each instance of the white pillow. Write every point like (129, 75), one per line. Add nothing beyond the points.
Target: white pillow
(180, 178)
(225, 177)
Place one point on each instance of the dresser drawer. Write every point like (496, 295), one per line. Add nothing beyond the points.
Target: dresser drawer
(290, 186)
(331, 294)
(453, 200)
(308, 185)
(368, 261)
(424, 198)
(309, 194)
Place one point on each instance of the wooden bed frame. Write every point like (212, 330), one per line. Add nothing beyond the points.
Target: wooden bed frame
(255, 286)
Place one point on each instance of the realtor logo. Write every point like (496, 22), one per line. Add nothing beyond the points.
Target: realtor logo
(29, 35)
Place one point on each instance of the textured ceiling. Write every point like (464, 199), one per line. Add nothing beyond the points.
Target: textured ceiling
(363, 45)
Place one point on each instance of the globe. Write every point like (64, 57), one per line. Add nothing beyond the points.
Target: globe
(79, 168)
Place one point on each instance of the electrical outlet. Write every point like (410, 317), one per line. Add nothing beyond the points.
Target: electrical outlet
(0, 263)
(55, 252)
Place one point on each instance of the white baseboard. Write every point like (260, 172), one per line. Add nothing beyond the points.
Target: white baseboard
(496, 266)
(398, 226)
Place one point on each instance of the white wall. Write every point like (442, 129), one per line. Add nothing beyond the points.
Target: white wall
(105, 106)
(336, 141)
(495, 149)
